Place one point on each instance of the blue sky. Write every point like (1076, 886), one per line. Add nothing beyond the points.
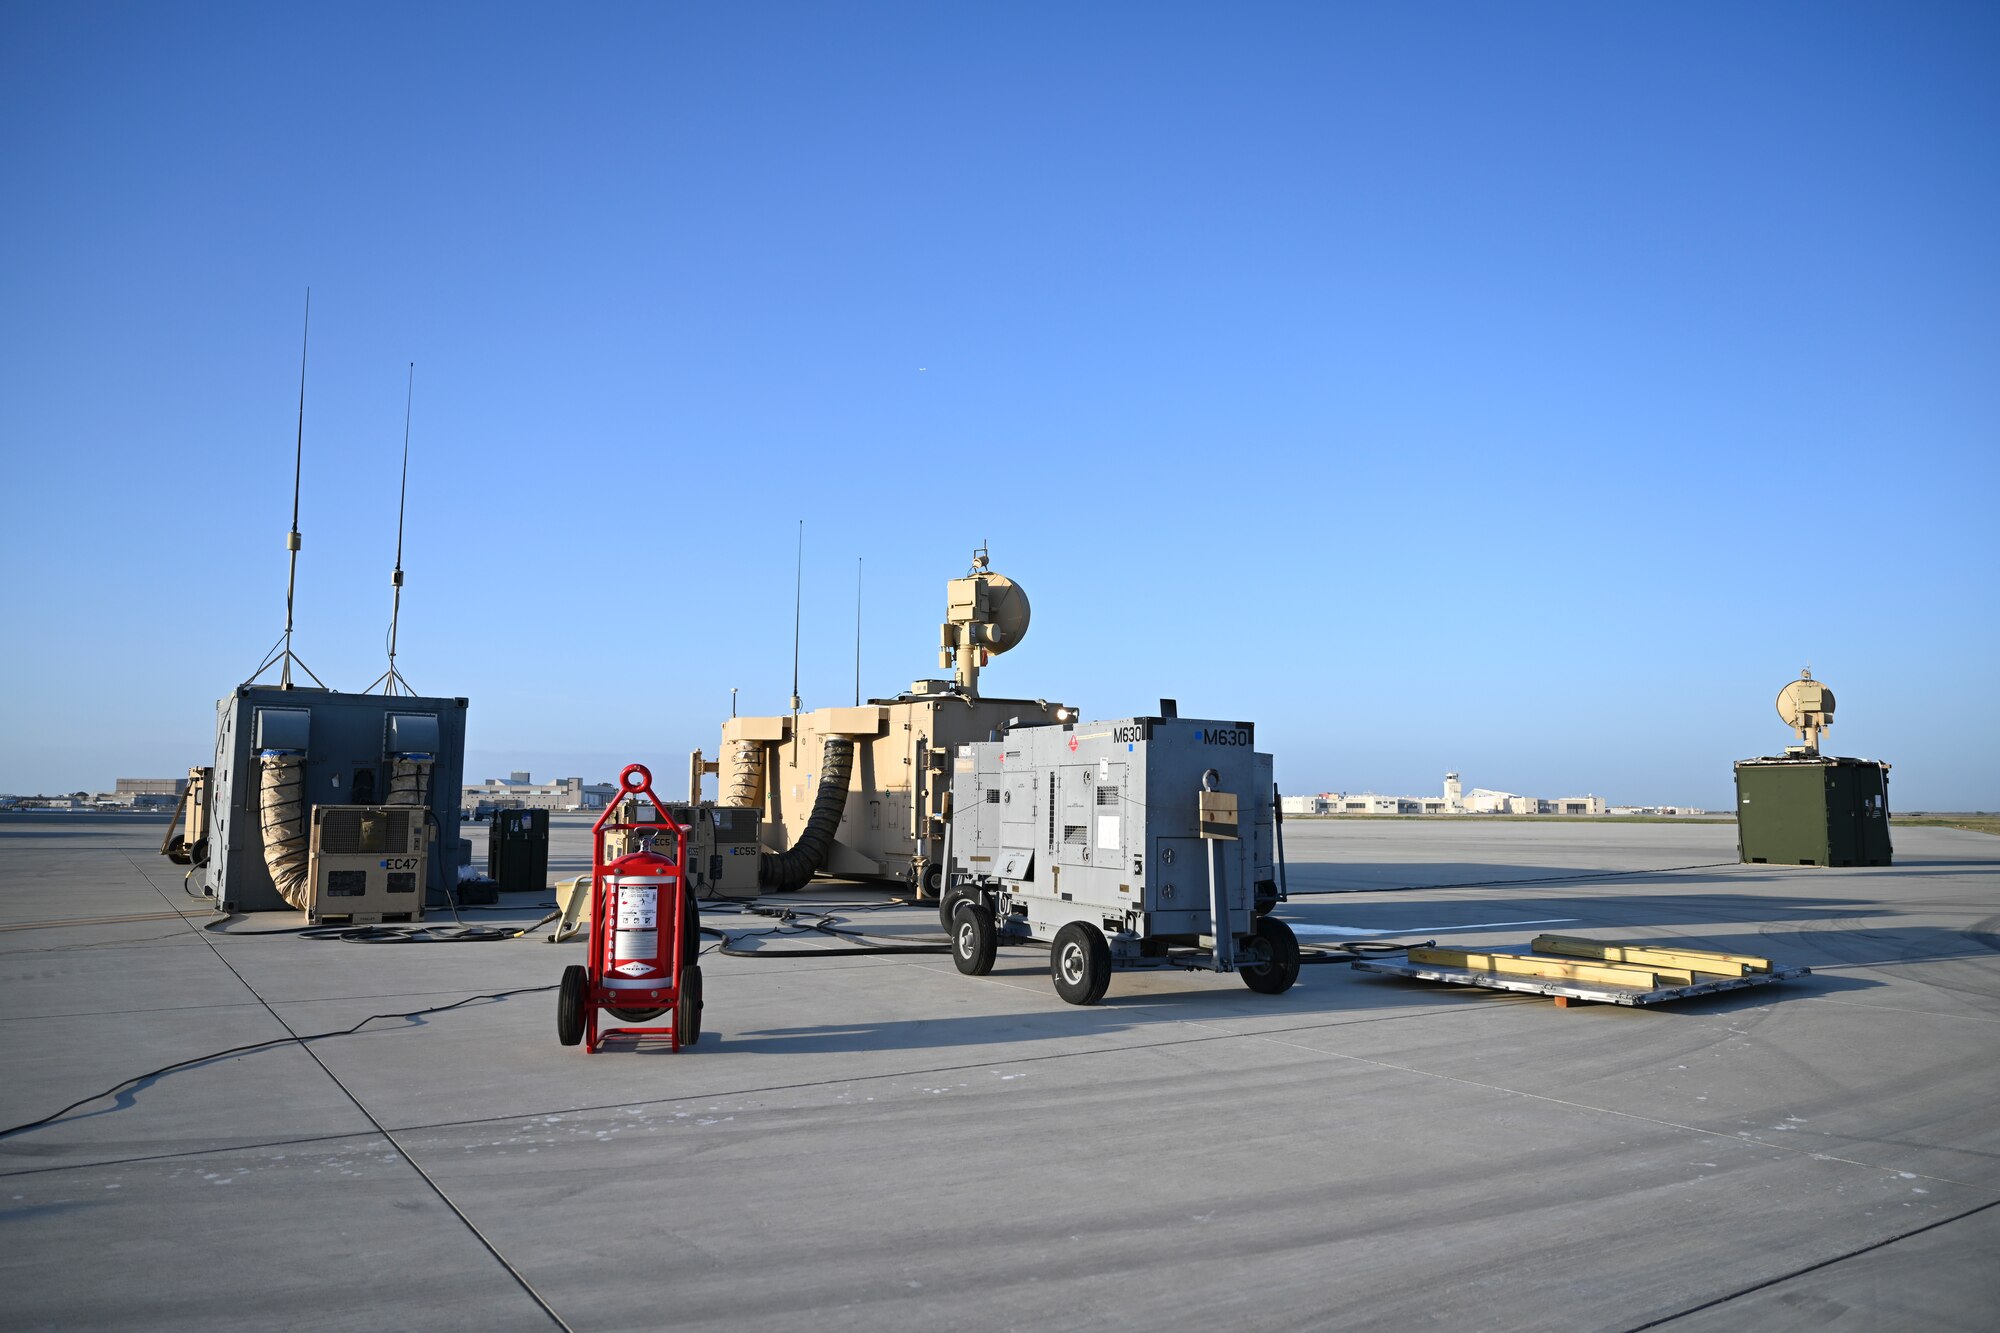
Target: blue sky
(1528, 390)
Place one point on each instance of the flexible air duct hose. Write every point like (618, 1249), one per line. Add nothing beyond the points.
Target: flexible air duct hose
(410, 782)
(781, 872)
(281, 807)
(743, 774)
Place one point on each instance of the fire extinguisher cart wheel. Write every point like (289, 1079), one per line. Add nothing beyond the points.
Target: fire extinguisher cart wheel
(640, 962)
(687, 1014)
(571, 996)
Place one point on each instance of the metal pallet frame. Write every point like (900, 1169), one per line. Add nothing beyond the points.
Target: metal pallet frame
(1562, 991)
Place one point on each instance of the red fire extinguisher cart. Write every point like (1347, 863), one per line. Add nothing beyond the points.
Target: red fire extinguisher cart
(644, 934)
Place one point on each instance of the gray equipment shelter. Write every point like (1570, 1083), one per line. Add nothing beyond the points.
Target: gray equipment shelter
(348, 741)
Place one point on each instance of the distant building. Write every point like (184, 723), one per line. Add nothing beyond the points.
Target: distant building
(1575, 805)
(150, 787)
(517, 791)
(1368, 803)
(1455, 801)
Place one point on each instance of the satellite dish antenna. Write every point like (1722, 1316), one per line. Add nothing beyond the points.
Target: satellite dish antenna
(985, 613)
(1806, 706)
(1007, 614)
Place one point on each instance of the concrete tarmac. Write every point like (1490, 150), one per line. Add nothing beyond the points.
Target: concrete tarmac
(880, 1142)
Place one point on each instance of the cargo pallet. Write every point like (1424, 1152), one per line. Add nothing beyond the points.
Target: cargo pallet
(1569, 968)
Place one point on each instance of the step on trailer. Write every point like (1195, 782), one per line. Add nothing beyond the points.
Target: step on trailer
(1147, 842)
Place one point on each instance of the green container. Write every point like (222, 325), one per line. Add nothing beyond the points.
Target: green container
(1812, 811)
(517, 850)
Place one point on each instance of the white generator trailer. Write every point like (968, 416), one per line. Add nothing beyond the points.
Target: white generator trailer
(1146, 842)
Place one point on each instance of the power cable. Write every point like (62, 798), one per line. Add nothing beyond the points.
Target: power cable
(260, 1045)
(1353, 951)
(792, 921)
(303, 1042)
(437, 1189)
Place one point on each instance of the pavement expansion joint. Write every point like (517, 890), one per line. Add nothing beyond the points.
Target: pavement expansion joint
(1795, 1273)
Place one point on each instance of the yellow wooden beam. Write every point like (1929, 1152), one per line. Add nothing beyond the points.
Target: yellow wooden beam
(1549, 969)
(1662, 957)
(1751, 961)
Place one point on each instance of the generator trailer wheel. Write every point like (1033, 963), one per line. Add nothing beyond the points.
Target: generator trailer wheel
(947, 903)
(1080, 963)
(974, 940)
(1275, 950)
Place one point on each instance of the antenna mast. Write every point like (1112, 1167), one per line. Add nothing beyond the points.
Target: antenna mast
(283, 652)
(391, 679)
(857, 631)
(798, 601)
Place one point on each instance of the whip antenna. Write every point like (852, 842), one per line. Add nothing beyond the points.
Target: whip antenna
(857, 631)
(798, 601)
(392, 679)
(283, 652)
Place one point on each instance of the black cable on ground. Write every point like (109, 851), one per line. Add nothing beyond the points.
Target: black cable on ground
(791, 922)
(261, 1045)
(730, 949)
(520, 1279)
(1352, 951)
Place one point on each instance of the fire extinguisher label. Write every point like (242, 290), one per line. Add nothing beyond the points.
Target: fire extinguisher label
(638, 909)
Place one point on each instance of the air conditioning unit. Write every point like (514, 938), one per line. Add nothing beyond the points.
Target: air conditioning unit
(367, 864)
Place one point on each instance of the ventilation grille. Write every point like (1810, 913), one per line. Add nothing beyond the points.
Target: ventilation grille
(1107, 796)
(733, 825)
(1076, 834)
(344, 832)
(992, 796)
